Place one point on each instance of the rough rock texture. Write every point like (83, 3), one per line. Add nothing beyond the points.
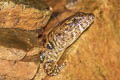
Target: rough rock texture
(21, 14)
(94, 56)
(18, 70)
(15, 43)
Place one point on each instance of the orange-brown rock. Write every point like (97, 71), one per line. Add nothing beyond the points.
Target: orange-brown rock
(23, 15)
(16, 43)
(17, 70)
(94, 56)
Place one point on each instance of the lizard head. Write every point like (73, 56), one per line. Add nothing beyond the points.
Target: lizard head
(81, 20)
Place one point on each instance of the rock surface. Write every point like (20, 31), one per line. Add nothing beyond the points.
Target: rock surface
(94, 56)
(18, 70)
(15, 43)
(23, 15)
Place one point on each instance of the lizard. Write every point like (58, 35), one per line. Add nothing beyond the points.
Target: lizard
(60, 38)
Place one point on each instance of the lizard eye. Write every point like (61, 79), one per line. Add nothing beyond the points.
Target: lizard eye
(50, 45)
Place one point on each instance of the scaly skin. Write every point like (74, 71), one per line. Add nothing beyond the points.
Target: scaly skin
(61, 38)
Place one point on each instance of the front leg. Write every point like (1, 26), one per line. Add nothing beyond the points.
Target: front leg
(53, 69)
(51, 64)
